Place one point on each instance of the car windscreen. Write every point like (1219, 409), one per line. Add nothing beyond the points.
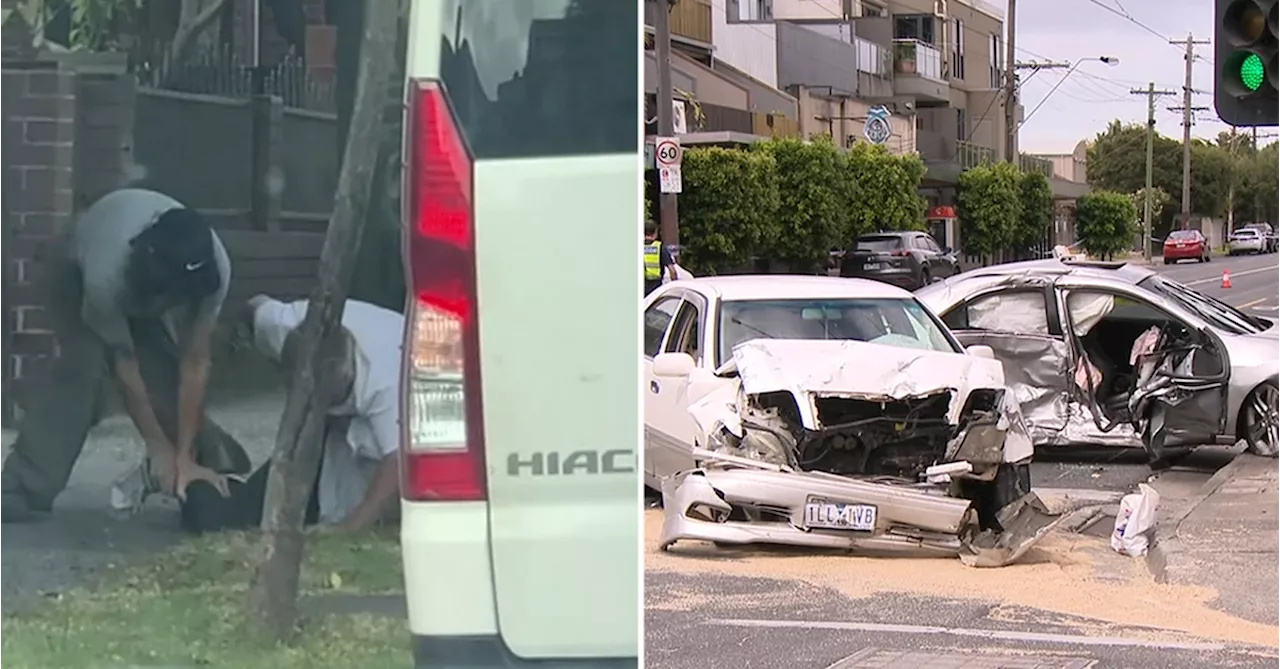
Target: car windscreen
(1247, 233)
(878, 244)
(1215, 312)
(893, 321)
(1182, 235)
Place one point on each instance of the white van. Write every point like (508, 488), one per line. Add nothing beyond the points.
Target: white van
(520, 472)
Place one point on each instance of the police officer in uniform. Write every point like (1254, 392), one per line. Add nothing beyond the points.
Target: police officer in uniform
(657, 259)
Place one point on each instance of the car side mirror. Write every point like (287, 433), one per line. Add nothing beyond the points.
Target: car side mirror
(980, 351)
(673, 365)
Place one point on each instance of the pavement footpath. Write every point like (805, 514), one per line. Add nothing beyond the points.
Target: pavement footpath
(1225, 536)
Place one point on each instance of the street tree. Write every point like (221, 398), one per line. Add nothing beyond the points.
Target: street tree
(1160, 202)
(1036, 198)
(811, 218)
(379, 276)
(728, 208)
(1106, 222)
(194, 17)
(988, 202)
(881, 190)
(273, 591)
(1117, 160)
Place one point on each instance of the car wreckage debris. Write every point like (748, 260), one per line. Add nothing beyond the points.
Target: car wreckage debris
(741, 501)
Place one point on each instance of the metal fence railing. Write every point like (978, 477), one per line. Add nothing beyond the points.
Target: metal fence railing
(222, 71)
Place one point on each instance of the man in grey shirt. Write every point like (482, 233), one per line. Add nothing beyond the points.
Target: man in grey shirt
(140, 296)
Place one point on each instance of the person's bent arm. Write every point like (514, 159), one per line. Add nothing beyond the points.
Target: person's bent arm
(668, 263)
(138, 404)
(193, 378)
(384, 488)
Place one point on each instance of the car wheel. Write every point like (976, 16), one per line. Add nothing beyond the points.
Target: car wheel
(1167, 261)
(925, 278)
(1260, 420)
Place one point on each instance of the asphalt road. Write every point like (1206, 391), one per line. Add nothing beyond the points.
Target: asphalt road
(1255, 280)
(1071, 603)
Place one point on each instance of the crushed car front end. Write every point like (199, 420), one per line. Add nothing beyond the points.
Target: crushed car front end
(849, 445)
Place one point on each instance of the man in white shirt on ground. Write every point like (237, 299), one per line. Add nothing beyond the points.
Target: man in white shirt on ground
(358, 480)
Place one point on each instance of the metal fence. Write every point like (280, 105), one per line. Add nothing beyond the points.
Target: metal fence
(222, 71)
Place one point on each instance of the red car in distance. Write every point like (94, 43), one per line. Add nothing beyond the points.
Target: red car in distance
(1186, 245)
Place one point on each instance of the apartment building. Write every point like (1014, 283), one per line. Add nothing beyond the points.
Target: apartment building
(936, 65)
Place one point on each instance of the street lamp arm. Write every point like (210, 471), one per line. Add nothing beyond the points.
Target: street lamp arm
(1109, 60)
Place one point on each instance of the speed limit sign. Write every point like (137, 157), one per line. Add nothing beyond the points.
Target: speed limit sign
(667, 151)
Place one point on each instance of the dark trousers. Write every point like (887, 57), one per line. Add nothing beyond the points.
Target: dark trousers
(650, 286)
(67, 403)
(206, 510)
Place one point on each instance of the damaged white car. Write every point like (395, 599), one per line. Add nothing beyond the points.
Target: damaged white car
(831, 413)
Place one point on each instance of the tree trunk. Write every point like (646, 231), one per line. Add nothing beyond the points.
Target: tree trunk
(273, 592)
(193, 18)
(379, 274)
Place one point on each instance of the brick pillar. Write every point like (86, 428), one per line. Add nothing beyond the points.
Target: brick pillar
(104, 136)
(39, 131)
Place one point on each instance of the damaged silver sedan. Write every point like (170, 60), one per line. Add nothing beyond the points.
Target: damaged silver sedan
(1118, 355)
(831, 413)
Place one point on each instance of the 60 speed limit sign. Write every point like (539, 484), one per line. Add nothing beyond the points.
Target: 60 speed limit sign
(667, 152)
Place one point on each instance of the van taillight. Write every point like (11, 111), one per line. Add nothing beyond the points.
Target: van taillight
(443, 453)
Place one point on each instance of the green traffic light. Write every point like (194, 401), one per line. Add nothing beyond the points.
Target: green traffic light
(1252, 72)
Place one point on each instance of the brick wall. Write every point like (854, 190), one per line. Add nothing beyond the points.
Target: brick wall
(39, 131)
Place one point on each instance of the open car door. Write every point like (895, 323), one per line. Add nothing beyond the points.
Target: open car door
(1146, 363)
(1022, 328)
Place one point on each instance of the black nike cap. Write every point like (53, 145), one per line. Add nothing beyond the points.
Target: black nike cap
(180, 254)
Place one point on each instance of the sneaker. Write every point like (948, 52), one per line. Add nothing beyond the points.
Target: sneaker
(130, 491)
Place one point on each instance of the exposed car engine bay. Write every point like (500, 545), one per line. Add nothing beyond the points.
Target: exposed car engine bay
(857, 436)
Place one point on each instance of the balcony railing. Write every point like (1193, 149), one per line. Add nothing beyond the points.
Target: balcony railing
(1036, 164)
(690, 19)
(873, 58)
(913, 57)
(970, 155)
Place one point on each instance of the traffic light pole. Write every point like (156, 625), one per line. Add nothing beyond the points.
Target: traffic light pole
(1151, 94)
(1187, 115)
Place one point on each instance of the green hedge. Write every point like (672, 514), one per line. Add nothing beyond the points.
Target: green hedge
(1002, 208)
(791, 201)
(1107, 222)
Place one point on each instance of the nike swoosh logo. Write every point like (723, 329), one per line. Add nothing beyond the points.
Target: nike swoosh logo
(193, 266)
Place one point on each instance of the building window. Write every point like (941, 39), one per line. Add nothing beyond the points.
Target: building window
(914, 26)
(957, 52)
(962, 125)
(747, 11)
(996, 60)
(870, 10)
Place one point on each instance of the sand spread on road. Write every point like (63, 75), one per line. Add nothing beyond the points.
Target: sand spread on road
(1060, 575)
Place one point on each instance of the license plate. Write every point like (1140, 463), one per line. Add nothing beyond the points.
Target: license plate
(821, 514)
(872, 265)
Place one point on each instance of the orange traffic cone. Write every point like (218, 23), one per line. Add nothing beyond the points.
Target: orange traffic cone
(1226, 278)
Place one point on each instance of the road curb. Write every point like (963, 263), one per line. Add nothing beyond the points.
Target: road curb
(1165, 545)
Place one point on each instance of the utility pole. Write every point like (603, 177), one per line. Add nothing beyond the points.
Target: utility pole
(1187, 115)
(1011, 85)
(1151, 94)
(668, 211)
(1257, 196)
